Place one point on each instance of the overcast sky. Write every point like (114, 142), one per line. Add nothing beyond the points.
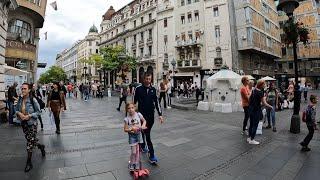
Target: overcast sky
(71, 22)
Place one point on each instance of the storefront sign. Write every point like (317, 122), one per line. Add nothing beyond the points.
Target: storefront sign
(21, 45)
(208, 72)
(20, 50)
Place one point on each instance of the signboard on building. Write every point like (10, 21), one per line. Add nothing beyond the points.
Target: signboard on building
(17, 49)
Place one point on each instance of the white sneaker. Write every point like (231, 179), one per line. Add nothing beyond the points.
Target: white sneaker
(248, 139)
(168, 107)
(254, 142)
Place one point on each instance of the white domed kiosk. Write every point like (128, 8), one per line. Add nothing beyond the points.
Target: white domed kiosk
(223, 92)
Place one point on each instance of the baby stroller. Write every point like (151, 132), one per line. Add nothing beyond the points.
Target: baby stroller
(141, 173)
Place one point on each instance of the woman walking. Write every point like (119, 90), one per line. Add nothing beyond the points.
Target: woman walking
(55, 103)
(163, 92)
(255, 111)
(27, 112)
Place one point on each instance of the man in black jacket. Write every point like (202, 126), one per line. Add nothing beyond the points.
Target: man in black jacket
(146, 96)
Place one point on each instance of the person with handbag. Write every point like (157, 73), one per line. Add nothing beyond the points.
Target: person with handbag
(37, 95)
(272, 99)
(56, 102)
(257, 97)
(27, 111)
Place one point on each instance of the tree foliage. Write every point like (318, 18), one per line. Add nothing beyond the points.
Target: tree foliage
(55, 73)
(295, 32)
(113, 59)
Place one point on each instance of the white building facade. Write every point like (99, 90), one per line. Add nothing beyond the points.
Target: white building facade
(133, 27)
(71, 60)
(189, 40)
(86, 48)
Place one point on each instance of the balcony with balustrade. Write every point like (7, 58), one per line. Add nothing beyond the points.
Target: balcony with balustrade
(189, 63)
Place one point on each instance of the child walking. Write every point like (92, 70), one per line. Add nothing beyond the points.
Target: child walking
(310, 121)
(133, 124)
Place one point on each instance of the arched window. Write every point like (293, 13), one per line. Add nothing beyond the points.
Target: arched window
(20, 27)
(218, 50)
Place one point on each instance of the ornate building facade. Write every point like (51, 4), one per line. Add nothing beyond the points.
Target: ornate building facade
(22, 41)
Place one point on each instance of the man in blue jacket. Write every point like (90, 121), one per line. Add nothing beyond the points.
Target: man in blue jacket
(147, 99)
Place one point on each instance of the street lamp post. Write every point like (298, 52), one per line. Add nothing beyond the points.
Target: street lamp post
(121, 57)
(85, 74)
(288, 6)
(173, 63)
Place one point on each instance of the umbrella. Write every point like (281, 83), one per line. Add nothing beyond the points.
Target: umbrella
(268, 78)
(9, 70)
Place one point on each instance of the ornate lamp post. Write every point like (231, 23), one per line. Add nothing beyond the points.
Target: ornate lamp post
(85, 74)
(173, 63)
(121, 57)
(288, 6)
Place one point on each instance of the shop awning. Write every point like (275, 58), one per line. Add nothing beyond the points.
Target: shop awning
(9, 70)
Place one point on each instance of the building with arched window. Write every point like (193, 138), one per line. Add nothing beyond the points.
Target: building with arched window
(5, 5)
(23, 37)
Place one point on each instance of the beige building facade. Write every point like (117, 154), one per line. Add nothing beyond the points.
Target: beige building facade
(133, 27)
(4, 9)
(308, 13)
(189, 40)
(71, 59)
(22, 41)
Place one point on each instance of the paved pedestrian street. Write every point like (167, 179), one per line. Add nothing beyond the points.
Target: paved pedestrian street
(189, 145)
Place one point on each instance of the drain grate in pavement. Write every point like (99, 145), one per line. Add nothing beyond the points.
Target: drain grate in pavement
(62, 151)
(224, 166)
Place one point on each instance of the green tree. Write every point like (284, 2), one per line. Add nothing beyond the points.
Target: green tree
(55, 73)
(113, 59)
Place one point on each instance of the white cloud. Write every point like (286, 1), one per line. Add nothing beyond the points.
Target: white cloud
(71, 22)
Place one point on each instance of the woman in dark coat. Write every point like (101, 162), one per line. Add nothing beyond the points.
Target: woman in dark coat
(56, 102)
(257, 97)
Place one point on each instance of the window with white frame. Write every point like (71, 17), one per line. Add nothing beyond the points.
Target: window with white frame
(196, 15)
(182, 3)
(217, 33)
(215, 11)
(189, 18)
(182, 19)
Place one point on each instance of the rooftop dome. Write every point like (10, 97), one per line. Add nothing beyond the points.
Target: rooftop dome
(93, 29)
(109, 13)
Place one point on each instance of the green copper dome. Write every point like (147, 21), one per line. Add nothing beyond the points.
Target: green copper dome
(93, 29)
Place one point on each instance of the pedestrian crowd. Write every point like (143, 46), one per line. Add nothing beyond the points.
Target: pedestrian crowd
(261, 102)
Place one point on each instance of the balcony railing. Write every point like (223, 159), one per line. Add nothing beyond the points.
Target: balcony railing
(149, 41)
(134, 45)
(165, 65)
(189, 63)
(141, 43)
(190, 42)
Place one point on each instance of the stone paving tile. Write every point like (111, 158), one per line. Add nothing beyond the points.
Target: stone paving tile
(175, 142)
(251, 175)
(189, 144)
(102, 176)
(105, 166)
(65, 172)
(200, 152)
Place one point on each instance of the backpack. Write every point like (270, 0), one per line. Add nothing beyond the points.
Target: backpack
(306, 115)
